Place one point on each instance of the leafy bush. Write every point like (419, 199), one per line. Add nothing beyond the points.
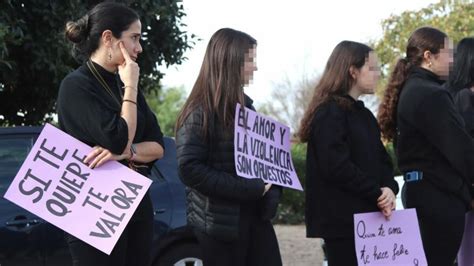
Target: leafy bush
(291, 209)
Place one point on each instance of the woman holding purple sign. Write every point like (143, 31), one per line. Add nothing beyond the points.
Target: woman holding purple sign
(230, 214)
(100, 104)
(435, 152)
(348, 170)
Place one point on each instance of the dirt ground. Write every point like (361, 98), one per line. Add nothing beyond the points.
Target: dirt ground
(296, 249)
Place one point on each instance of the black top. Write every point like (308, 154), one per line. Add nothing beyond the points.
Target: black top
(88, 112)
(431, 135)
(464, 101)
(346, 165)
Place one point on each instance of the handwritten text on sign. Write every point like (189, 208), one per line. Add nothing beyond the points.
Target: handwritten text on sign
(263, 150)
(94, 205)
(394, 242)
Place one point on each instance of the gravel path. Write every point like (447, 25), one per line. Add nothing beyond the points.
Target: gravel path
(296, 249)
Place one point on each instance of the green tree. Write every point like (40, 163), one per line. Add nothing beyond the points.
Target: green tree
(455, 18)
(35, 56)
(166, 104)
(291, 208)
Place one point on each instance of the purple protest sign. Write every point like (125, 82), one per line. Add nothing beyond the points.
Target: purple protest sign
(396, 241)
(466, 251)
(94, 205)
(263, 150)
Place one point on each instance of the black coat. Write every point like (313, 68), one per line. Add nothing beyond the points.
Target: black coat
(346, 166)
(464, 101)
(216, 196)
(431, 135)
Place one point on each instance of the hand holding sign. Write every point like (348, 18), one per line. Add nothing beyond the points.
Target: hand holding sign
(55, 184)
(394, 242)
(267, 188)
(98, 156)
(386, 202)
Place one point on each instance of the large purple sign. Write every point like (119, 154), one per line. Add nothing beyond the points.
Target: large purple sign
(396, 241)
(94, 205)
(263, 149)
(466, 251)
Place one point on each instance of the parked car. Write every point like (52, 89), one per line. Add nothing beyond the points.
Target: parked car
(27, 240)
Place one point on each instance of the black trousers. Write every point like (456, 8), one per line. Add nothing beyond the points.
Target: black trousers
(441, 217)
(257, 245)
(340, 251)
(132, 249)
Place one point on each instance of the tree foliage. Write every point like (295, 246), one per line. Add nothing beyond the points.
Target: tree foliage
(455, 18)
(35, 56)
(166, 104)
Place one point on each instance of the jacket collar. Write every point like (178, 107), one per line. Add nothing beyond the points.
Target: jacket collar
(109, 77)
(247, 100)
(426, 74)
(357, 103)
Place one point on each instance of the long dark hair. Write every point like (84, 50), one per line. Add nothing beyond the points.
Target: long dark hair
(336, 80)
(86, 32)
(421, 40)
(219, 85)
(462, 75)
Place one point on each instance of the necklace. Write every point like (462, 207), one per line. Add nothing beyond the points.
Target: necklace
(101, 80)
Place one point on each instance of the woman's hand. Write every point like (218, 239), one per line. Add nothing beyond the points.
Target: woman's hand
(387, 199)
(98, 156)
(387, 212)
(129, 70)
(387, 202)
(267, 188)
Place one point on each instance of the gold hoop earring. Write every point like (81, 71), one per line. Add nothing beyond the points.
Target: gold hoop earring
(110, 55)
(430, 64)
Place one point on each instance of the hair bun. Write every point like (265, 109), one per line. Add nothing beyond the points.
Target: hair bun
(76, 31)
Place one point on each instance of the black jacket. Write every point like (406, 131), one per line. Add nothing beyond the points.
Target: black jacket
(431, 135)
(346, 165)
(464, 101)
(215, 194)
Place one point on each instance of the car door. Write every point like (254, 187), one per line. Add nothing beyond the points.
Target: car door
(20, 231)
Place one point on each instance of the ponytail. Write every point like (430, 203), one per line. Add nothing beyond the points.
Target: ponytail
(421, 40)
(387, 115)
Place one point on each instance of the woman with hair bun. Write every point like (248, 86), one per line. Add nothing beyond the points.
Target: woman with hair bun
(100, 104)
(435, 153)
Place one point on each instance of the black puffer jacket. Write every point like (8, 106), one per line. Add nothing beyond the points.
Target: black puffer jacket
(215, 193)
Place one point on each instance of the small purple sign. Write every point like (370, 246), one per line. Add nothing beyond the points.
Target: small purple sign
(94, 205)
(263, 149)
(466, 251)
(396, 241)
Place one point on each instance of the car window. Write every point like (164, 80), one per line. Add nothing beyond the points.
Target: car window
(13, 151)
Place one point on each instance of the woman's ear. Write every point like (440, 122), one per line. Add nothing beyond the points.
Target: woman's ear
(353, 71)
(107, 38)
(427, 56)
